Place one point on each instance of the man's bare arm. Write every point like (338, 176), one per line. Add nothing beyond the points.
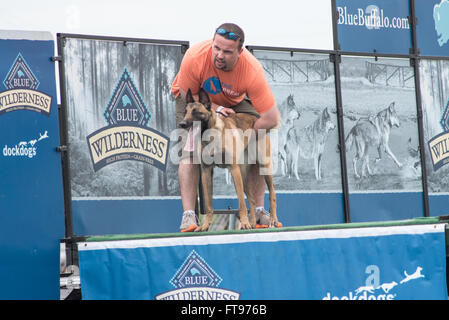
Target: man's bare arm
(269, 119)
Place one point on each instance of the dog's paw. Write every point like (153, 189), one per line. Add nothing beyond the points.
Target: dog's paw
(245, 226)
(253, 223)
(275, 224)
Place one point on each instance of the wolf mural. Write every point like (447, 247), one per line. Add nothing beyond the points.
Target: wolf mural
(309, 143)
(372, 131)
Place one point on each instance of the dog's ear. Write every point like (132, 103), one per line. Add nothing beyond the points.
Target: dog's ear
(204, 98)
(391, 106)
(189, 97)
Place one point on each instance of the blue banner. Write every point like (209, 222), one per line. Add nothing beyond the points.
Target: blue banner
(31, 195)
(367, 25)
(373, 263)
(433, 27)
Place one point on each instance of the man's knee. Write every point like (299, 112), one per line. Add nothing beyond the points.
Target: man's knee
(187, 167)
(187, 161)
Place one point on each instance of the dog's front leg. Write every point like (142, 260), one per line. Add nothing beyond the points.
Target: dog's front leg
(238, 183)
(206, 180)
(295, 159)
(387, 149)
(317, 164)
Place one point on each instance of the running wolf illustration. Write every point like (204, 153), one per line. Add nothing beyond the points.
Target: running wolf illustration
(308, 142)
(372, 131)
(289, 113)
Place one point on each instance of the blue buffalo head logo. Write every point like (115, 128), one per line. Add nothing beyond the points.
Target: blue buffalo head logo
(441, 18)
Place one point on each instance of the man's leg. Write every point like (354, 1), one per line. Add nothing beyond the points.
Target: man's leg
(257, 185)
(188, 175)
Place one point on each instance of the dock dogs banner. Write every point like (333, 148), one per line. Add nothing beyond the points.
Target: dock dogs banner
(31, 195)
(373, 263)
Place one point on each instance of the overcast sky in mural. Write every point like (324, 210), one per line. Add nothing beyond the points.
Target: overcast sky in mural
(283, 23)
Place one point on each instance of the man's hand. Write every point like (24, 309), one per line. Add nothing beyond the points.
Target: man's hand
(223, 111)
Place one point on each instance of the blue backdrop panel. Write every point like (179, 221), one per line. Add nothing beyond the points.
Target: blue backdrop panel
(433, 27)
(382, 263)
(438, 204)
(125, 216)
(31, 195)
(386, 206)
(163, 215)
(101, 217)
(365, 25)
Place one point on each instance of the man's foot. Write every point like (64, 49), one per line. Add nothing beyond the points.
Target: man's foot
(189, 221)
(263, 219)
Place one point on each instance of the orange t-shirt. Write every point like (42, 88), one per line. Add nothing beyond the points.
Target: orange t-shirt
(225, 88)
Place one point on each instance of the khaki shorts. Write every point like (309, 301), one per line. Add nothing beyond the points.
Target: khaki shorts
(243, 107)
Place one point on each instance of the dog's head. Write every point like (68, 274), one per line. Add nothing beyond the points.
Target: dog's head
(326, 120)
(196, 111)
(292, 110)
(393, 116)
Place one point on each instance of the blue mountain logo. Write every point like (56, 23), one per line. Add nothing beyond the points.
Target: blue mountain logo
(195, 272)
(126, 105)
(196, 280)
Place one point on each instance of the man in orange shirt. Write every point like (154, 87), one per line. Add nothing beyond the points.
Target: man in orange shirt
(230, 74)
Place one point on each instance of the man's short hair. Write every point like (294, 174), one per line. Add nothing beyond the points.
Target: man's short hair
(232, 27)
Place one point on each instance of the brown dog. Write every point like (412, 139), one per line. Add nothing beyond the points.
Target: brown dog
(230, 147)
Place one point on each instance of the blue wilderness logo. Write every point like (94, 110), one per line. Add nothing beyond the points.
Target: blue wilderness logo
(195, 280)
(439, 145)
(127, 135)
(21, 90)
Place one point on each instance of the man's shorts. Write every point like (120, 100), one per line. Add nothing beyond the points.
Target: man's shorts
(243, 107)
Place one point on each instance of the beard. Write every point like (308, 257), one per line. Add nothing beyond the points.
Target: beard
(220, 64)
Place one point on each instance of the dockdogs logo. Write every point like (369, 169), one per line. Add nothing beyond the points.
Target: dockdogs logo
(25, 148)
(127, 135)
(372, 289)
(21, 93)
(196, 280)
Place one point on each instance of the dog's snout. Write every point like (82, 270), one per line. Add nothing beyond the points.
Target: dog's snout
(183, 124)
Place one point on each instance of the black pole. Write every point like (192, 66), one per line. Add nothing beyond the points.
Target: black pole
(63, 129)
(415, 60)
(336, 59)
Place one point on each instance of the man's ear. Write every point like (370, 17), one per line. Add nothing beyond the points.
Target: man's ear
(204, 98)
(189, 97)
